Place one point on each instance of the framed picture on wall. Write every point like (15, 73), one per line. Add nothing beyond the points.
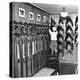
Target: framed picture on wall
(31, 16)
(44, 18)
(38, 17)
(21, 12)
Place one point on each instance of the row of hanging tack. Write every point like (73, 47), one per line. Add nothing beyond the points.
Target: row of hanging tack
(66, 35)
(30, 49)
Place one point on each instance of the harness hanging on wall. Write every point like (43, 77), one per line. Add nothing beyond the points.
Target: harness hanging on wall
(69, 35)
(65, 35)
(60, 37)
(76, 31)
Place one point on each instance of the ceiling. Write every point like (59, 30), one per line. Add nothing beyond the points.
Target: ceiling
(55, 8)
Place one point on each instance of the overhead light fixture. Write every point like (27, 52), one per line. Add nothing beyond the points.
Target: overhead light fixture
(64, 13)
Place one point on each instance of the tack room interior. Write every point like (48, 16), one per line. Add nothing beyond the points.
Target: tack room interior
(43, 39)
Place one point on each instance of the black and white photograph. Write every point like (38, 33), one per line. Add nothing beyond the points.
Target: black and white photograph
(39, 39)
(43, 39)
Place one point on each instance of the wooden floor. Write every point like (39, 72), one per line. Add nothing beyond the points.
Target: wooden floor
(44, 72)
(65, 69)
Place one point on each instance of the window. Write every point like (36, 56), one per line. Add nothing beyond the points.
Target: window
(21, 12)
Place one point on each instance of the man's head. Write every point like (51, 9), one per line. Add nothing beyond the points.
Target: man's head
(53, 23)
(54, 29)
